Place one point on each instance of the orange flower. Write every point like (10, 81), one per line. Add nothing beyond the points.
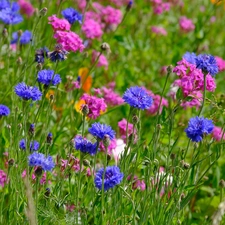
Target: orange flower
(86, 80)
(78, 105)
(217, 2)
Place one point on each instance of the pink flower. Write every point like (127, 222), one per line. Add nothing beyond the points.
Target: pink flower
(92, 29)
(96, 105)
(111, 146)
(70, 207)
(159, 30)
(120, 3)
(102, 61)
(81, 4)
(73, 164)
(218, 134)
(123, 128)
(59, 24)
(159, 6)
(111, 15)
(111, 98)
(196, 100)
(70, 41)
(3, 178)
(26, 7)
(220, 63)
(186, 25)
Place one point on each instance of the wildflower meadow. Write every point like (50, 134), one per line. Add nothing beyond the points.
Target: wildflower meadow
(112, 112)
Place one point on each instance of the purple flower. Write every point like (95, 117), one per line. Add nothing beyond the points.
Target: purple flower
(190, 57)
(27, 92)
(112, 177)
(48, 77)
(39, 159)
(207, 63)
(72, 15)
(137, 97)
(24, 39)
(40, 55)
(4, 110)
(9, 14)
(197, 127)
(34, 145)
(100, 130)
(85, 146)
(58, 55)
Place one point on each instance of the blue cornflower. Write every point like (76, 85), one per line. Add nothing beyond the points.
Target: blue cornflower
(40, 55)
(49, 138)
(58, 55)
(100, 130)
(207, 63)
(48, 77)
(113, 176)
(4, 110)
(39, 159)
(4, 4)
(34, 145)
(28, 92)
(24, 38)
(198, 126)
(190, 57)
(137, 97)
(72, 15)
(85, 146)
(9, 14)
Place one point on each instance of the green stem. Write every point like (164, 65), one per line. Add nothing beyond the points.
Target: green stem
(204, 95)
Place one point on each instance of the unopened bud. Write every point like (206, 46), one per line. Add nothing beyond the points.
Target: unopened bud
(31, 129)
(129, 5)
(108, 157)
(20, 125)
(49, 138)
(86, 163)
(8, 126)
(159, 126)
(19, 61)
(43, 11)
(47, 192)
(38, 171)
(172, 156)
(105, 47)
(51, 97)
(39, 66)
(11, 162)
(85, 109)
(169, 69)
(106, 141)
(19, 32)
(5, 33)
(135, 119)
(222, 183)
(186, 166)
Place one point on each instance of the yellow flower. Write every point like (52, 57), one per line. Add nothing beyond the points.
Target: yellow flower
(86, 80)
(78, 105)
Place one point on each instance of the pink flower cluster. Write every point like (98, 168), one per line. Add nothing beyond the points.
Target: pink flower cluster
(220, 63)
(3, 178)
(101, 19)
(159, 30)
(186, 25)
(102, 61)
(218, 134)
(70, 41)
(26, 7)
(111, 98)
(59, 24)
(96, 105)
(159, 6)
(124, 130)
(191, 82)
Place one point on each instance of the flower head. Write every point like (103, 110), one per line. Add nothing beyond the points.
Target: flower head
(34, 145)
(4, 110)
(40, 55)
(112, 177)
(100, 130)
(59, 54)
(39, 159)
(190, 57)
(92, 29)
(24, 39)
(70, 41)
(198, 126)
(3, 178)
(9, 14)
(27, 92)
(137, 97)
(48, 77)
(85, 146)
(59, 24)
(218, 133)
(26, 7)
(186, 25)
(72, 15)
(207, 63)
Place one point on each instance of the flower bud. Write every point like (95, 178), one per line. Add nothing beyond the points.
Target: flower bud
(39, 66)
(106, 141)
(105, 47)
(222, 184)
(31, 129)
(135, 119)
(169, 69)
(47, 192)
(49, 138)
(43, 11)
(11, 162)
(5, 33)
(85, 109)
(172, 156)
(86, 163)
(129, 5)
(38, 171)
(19, 61)
(19, 32)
